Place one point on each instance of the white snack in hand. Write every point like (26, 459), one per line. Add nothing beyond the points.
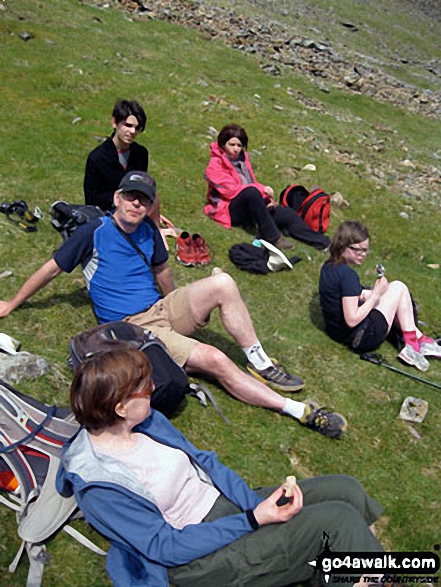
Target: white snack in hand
(289, 485)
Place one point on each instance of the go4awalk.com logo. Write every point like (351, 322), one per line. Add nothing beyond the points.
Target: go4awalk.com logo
(381, 567)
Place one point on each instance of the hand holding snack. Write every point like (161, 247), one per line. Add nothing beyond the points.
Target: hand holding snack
(288, 488)
(271, 511)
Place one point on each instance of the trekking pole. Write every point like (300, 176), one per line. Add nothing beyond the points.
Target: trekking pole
(377, 359)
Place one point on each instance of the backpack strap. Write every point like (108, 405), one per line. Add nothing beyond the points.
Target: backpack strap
(129, 240)
(32, 434)
(200, 392)
(284, 197)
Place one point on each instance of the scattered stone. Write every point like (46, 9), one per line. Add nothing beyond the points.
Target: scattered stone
(404, 215)
(212, 132)
(24, 36)
(272, 69)
(6, 273)
(414, 409)
(348, 25)
(407, 163)
(414, 432)
(338, 200)
(310, 167)
(279, 46)
(76, 120)
(433, 265)
(23, 365)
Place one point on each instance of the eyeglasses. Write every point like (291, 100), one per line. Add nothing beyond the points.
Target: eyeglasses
(359, 250)
(146, 392)
(132, 196)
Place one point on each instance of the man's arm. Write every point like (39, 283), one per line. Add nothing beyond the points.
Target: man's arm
(163, 278)
(37, 281)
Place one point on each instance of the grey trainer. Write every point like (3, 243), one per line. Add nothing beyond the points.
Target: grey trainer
(412, 357)
(276, 377)
(431, 349)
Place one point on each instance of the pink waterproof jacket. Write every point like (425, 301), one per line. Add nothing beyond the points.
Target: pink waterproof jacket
(224, 184)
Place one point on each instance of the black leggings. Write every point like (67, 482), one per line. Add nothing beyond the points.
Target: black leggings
(248, 208)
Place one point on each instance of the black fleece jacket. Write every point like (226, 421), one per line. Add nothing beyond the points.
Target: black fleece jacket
(104, 172)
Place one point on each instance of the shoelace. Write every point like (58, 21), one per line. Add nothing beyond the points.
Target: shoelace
(320, 417)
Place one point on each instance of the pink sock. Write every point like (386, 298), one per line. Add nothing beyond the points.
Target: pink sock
(424, 338)
(411, 338)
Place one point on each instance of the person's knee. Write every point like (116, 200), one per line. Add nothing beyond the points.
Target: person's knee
(222, 284)
(206, 358)
(216, 361)
(339, 515)
(398, 286)
(250, 192)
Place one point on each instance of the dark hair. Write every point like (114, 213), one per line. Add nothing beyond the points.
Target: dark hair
(125, 108)
(104, 380)
(348, 233)
(232, 131)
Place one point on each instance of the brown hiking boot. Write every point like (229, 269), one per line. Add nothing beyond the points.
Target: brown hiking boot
(283, 243)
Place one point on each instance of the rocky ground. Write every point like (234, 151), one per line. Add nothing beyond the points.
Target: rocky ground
(278, 47)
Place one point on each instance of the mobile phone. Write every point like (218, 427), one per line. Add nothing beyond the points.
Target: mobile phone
(380, 270)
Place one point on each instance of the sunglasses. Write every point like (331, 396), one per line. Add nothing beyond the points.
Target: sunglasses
(132, 196)
(145, 392)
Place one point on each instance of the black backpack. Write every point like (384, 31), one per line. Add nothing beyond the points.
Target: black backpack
(171, 381)
(248, 257)
(66, 218)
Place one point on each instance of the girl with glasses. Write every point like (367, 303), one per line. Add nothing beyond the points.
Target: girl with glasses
(363, 318)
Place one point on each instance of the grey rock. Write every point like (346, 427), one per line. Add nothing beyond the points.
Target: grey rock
(23, 365)
(25, 36)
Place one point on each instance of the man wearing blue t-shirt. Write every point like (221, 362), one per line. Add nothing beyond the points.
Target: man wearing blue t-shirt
(124, 262)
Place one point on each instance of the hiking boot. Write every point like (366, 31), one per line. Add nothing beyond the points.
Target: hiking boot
(200, 250)
(276, 377)
(321, 420)
(412, 357)
(185, 252)
(430, 349)
(283, 243)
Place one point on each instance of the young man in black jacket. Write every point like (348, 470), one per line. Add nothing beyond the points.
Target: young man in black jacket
(118, 154)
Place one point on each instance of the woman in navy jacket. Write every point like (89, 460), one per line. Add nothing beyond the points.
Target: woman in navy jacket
(175, 513)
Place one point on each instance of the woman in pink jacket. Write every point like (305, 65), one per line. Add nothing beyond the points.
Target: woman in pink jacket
(236, 198)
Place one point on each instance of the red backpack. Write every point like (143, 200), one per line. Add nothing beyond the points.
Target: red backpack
(314, 207)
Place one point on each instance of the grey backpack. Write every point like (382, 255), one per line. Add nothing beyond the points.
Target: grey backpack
(31, 437)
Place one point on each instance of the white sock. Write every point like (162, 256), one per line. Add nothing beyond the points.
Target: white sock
(257, 356)
(294, 408)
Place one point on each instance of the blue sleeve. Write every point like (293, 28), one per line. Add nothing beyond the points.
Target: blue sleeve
(78, 248)
(134, 523)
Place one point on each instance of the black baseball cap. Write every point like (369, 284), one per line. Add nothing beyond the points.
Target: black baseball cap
(139, 181)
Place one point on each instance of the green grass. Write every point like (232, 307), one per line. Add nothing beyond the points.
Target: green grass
(81, 60)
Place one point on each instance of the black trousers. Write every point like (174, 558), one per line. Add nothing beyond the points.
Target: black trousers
(248, 208)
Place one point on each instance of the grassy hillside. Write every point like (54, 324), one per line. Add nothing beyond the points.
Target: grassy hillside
(58, 91)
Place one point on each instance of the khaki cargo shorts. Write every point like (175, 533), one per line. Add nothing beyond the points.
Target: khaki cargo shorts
(172, 320)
